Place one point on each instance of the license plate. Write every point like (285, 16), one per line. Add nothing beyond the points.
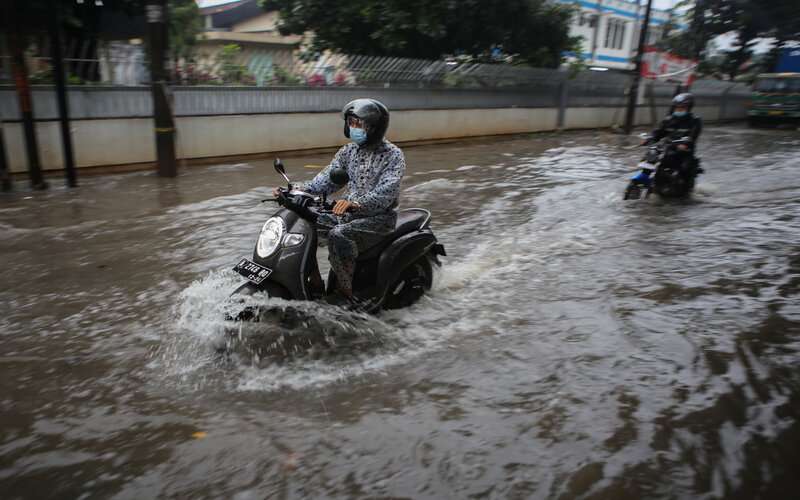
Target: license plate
(775, 112)
(252, 271)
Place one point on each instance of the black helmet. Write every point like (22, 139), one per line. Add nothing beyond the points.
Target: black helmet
(371, 112)
(685, 99)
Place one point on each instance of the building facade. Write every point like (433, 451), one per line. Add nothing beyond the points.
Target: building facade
(610, 30)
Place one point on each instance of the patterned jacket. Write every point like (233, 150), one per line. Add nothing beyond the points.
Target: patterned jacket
(375, 171)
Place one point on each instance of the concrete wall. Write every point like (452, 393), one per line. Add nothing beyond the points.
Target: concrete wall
(113, 126)
(94, 143)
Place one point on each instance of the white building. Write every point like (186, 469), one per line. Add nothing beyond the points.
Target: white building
(610, 30)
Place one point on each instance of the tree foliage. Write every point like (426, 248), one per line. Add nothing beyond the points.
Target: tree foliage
(747, 19)
(89, 20)
(534, 32)
(184, 25)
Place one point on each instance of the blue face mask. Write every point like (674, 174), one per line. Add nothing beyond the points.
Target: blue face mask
(679, 113)
(359, 135)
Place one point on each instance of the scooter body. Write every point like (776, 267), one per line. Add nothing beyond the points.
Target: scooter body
(393, 273)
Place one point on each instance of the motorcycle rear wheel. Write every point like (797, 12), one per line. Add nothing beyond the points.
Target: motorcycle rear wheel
(633, 191)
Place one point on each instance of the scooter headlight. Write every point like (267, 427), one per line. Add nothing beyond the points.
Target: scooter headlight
(292, 239)
(271, 235)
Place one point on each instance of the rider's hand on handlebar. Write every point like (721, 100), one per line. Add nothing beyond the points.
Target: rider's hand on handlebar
(643, 142)
(342, 206)
(277, 191)
(682, 147)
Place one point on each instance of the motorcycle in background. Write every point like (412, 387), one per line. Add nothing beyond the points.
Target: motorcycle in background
(672, 176)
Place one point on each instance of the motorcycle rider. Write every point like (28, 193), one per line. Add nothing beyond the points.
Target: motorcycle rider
(680, 124)
(367, 211)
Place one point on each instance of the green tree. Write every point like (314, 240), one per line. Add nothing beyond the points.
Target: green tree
(184, 26)
(747, 19)
(85, 20)
(533, 32)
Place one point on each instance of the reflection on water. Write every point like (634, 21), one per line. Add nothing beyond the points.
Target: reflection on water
(573, 345)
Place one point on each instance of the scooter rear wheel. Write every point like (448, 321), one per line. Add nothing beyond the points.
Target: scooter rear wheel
(633, 191)
(411, 285)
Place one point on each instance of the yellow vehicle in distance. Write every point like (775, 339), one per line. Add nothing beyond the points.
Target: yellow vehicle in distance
(775, 98)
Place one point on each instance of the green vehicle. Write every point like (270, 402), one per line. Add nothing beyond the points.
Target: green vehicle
(775, 98)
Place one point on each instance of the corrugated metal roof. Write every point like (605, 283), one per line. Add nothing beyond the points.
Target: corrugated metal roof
(226, 15)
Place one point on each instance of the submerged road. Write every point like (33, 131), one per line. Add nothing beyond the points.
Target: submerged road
(574, 345)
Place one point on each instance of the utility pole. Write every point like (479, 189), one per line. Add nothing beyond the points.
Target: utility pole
(58, 67)
(5, 174)
(634, 90)
(695, 29)
(165, 125)
(24, 94)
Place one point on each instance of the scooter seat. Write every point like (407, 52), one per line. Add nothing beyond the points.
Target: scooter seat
(407, 221)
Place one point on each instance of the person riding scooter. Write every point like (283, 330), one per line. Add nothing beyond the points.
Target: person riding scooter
(683, 126)
(367, 211)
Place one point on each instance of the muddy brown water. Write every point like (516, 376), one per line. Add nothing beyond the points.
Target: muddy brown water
(574, 345)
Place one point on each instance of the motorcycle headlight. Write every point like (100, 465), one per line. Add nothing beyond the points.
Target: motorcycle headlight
(271, 235)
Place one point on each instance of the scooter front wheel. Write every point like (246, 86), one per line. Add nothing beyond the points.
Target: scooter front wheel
(251, 313)
(633, 191)
(270, 288)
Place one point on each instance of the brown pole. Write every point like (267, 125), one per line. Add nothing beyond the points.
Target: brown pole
(61, 86)
(24, 94)
(5, 174)
(634, 90)
(165, 125)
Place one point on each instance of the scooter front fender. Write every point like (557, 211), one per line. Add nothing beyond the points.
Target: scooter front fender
(270, 287)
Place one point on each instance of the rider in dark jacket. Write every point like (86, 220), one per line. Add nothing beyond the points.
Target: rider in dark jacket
(680, 124)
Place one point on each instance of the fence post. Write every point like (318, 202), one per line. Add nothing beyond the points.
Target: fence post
(562, 104)
(651, 100)
(723, 102)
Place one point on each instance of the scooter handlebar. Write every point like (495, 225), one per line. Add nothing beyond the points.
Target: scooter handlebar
(326, 207)
(302, 204)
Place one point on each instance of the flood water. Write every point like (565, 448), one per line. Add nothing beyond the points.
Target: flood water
(574, 345)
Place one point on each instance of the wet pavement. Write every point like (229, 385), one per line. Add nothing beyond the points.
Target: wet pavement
(574, 345)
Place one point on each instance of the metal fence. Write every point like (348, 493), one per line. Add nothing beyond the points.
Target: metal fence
(587, 90)
(242, 79)
(260, 82)
(264, 68)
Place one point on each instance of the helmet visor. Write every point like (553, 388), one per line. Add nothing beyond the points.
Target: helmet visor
(366, 110)
(354, 121)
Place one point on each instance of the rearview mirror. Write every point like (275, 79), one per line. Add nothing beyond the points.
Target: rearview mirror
(279, 168)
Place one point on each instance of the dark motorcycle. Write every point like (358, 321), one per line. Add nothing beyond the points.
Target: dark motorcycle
(394, 273)
(673, 173)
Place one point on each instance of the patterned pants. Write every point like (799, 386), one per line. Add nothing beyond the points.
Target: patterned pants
(346, 237)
